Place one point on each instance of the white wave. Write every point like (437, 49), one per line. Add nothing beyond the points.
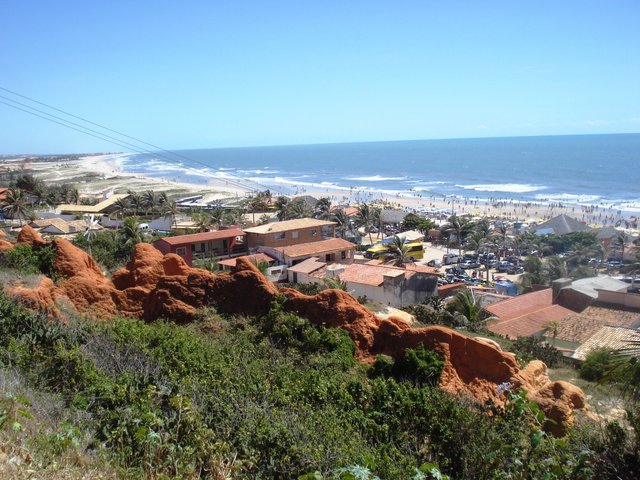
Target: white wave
(504, 187)
(421, 182)
(421, 189)
(375, 178)
(568, 197)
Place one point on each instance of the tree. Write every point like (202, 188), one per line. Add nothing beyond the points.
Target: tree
(150, 201)
(417, 222)
(202, 220)
(399, 251)
(454, 227)
(281, 204)
(170, 210)
(366, 218)
(16, 205)
(466, 304)
(130, 234)
(137, 202)
(298, 209)
(618, 245)
(342, 222)
(323, 209)
(335, 283)
(121, 208)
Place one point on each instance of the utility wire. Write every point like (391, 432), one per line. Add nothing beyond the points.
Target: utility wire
(231, 179)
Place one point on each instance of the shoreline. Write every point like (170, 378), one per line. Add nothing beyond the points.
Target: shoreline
(98, 174)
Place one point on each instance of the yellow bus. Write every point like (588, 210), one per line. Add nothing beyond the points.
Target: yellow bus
(380, 251)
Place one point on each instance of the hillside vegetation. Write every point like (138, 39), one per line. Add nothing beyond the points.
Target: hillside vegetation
(268, 397)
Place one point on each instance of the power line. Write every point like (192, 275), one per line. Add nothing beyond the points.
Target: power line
(231, 179)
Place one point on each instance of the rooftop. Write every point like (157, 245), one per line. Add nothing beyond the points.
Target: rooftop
(202, 237)
(97, 208)
(288, 225)
(614, 338)
(315, 248)
(258, 257)
(578, 327)
(561, 225)
(590, 286)
(526, 314)
(64, 226)
(308, 266)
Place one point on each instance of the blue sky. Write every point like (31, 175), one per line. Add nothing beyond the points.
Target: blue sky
(205, 74)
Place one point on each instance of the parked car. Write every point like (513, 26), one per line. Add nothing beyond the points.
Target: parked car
(514, 270)
(503, 266)
(434, 263)
(449, 258)
(469, 264)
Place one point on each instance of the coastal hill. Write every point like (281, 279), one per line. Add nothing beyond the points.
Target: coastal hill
(153, 286)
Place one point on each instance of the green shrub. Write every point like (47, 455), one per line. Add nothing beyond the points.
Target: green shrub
(596, 365)
(530, 348)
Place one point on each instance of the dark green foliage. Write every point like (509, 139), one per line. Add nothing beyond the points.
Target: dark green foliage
(596, 365)
(306, 288)
(419, 365)
(276, 397)
(530, 348)
(106, 248)
(26, 259)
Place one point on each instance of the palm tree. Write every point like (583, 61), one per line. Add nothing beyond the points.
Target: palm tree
(217, 216)
(17, 205)
(202, 220)
(454, 227)
(323, 209)
(554, 328)
(334, 283)
(534, 273)
(556, 268)
(342, 222)
(150, 201)
(465, 304)
(170, 210)
(136, 202)
(298, 209)
(619, 243)
(399, 251)
(255, 203)
(121, 207)
(365, 218)
(130, 234)
(281, 204)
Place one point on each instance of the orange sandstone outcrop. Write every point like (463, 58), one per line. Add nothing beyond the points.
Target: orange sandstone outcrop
(41, 298)
(5, 246)
(29, 236)
(153, 285)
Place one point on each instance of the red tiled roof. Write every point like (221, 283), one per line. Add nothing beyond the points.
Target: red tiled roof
(231, 262)
(309, 265)
(580, 326)
(522, 304)
(530, 323)
(316, 248)
(526, 314)
(445, 290)
(203, 237)
(371, 274)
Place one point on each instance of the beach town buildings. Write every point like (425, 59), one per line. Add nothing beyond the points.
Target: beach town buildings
(568, 314)
(385, 284)
(204, 246)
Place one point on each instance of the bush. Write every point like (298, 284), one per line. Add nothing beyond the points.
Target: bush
(530, 348)
(596, 365)
(26, 259)
(419, 365)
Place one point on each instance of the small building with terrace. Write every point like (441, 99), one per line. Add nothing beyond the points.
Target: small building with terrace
(205, 246)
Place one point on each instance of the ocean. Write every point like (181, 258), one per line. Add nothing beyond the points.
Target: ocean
(577, 169)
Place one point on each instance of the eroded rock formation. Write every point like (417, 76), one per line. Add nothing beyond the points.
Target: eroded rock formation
(153, 285)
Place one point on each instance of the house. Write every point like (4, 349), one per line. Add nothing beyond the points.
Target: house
(329, 250)
(273, 271)
(577, 328)
(561, 225)
(579, 294)
(525, 315)
(611, 338)
(289, 232)
(208, 245)
(386, 284)
(104, 207)
(59, 226)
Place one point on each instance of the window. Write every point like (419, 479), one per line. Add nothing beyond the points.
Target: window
(313, 232)
(295, 235)
(182, 251)
(343, 254)
(280, 236)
